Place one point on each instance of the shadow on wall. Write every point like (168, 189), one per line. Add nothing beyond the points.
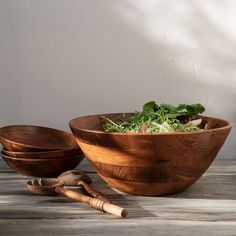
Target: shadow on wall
(194, 55)
(112, 56)
(157, 50)
(194, 45)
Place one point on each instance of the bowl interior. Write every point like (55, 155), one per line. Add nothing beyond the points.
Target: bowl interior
(93, 122)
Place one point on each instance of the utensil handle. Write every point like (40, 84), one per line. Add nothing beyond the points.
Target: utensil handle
(92, 191)
(94, 202)
(108, 207)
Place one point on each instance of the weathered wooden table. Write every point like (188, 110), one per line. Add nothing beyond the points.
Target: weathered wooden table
(206, 208)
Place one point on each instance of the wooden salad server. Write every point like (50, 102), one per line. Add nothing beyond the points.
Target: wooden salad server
(79, 178)
(51, 186)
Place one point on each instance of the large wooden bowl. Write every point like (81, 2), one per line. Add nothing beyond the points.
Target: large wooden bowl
(149, 164)
(42, 167)
(20, 138)
(44, 154)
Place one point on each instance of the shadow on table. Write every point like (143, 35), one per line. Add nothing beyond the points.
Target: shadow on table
(133, 207)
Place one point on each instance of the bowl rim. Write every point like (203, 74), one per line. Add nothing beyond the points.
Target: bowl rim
(41, 148)
(40, 160)
(229, 125)
(43, 152)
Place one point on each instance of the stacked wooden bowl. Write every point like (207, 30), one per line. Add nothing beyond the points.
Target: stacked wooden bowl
(39, 151)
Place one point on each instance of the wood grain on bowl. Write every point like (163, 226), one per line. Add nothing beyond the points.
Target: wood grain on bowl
(43, 154)
(20, 138)
(42, 167)
(149, 164)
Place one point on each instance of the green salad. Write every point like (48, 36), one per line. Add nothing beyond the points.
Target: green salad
(156, 118)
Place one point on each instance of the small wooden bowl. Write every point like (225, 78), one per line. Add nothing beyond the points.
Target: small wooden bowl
(43, 155)
(42, 167)
(21, 138)
(149, 164)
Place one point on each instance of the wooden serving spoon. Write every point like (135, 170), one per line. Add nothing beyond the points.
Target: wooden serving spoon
(79, 178)
(52, 186)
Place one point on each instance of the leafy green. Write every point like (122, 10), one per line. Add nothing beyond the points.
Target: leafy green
(150, 107)
(158, 118)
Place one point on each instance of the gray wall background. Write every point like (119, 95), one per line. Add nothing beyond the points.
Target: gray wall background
(60, 59)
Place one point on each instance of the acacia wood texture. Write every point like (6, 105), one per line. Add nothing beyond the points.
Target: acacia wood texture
(51, 186)
(43, 154)
(81, 179)
(43, 167)
(149, 164)
(45, 186)
(71, 177)
(94, 202)
(20, 138)
(208, 207)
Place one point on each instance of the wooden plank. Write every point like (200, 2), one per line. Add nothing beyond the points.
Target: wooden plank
(197, 203)
(222, 166)
(46, 227)
(140, 208)
(206, 208)
(4, 168)
(207, 187)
